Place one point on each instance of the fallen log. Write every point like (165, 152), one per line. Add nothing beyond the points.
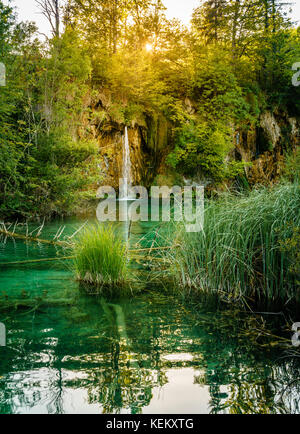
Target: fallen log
(33, 261)
(34, 239)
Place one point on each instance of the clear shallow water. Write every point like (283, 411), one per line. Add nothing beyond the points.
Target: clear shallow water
(147, 354)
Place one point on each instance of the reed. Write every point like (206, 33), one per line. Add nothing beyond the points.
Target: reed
(100, 258)
(239, 254)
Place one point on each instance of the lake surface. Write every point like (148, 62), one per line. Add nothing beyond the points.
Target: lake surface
(151, 353)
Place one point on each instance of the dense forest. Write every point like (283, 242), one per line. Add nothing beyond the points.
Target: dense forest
(213, 102)
(137, 315)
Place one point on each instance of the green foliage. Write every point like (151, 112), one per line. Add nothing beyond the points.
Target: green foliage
(201, 150)
(290, 246)
(101, 259)
(64, 81)
(215, 86)
(204, 139)
(291, 170)
(206, 82)
(168, 179)
(62, 169)
(42, 170)
(66, 152)
(239, 254)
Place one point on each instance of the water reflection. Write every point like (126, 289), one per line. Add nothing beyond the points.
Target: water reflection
(150, 354)
(132, 356)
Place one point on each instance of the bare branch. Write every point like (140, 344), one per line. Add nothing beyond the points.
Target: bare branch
(51, 10)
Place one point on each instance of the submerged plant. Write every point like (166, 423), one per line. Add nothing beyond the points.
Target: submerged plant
(239, 254)
(100, 258)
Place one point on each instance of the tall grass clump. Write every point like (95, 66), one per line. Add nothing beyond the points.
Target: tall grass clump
(241, 252)
(100, 258)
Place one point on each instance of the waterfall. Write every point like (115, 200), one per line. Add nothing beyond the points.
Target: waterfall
(126, 175)
(125, 186)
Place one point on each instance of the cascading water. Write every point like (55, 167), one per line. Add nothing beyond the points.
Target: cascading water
(126, 175)
(124, 195)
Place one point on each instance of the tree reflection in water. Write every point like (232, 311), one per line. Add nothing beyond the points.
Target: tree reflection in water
(113, 357)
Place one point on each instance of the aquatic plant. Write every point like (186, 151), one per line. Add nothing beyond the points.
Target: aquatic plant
(239, 253)
(100, 258)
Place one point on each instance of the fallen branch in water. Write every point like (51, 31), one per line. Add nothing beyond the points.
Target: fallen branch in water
(65, 258)
(33, 239)
(5, 230)
(78, 230)
(68, 244)
(147, 258)
(32, 261)
(56, 242)
(151, 249)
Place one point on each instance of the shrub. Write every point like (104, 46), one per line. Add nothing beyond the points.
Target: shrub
(201, 150)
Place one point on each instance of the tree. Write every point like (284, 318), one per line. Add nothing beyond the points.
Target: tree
(209, 19)
(52, 11)
(239, 24)
(19, 55)
(116, 24)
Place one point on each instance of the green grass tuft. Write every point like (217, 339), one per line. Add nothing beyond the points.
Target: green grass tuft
(101, 258)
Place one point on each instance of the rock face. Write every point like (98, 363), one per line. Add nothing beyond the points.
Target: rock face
(111, 149)
(151, 140)
(271, 130)
(148, 142)
(264, 146)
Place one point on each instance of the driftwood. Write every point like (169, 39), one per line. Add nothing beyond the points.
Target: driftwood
(66, 258)
(151, 249)
(56, 242)
(33, 239)
(5, 230)
(34, 261)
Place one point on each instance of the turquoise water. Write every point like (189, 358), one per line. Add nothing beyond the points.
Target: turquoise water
(152, 353)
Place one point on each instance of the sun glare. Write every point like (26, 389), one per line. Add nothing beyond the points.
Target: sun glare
(149, 47)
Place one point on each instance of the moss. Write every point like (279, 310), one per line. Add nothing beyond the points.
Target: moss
(157, 135)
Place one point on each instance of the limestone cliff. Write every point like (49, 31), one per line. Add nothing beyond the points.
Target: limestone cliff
(151, 139)
(264, 145)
